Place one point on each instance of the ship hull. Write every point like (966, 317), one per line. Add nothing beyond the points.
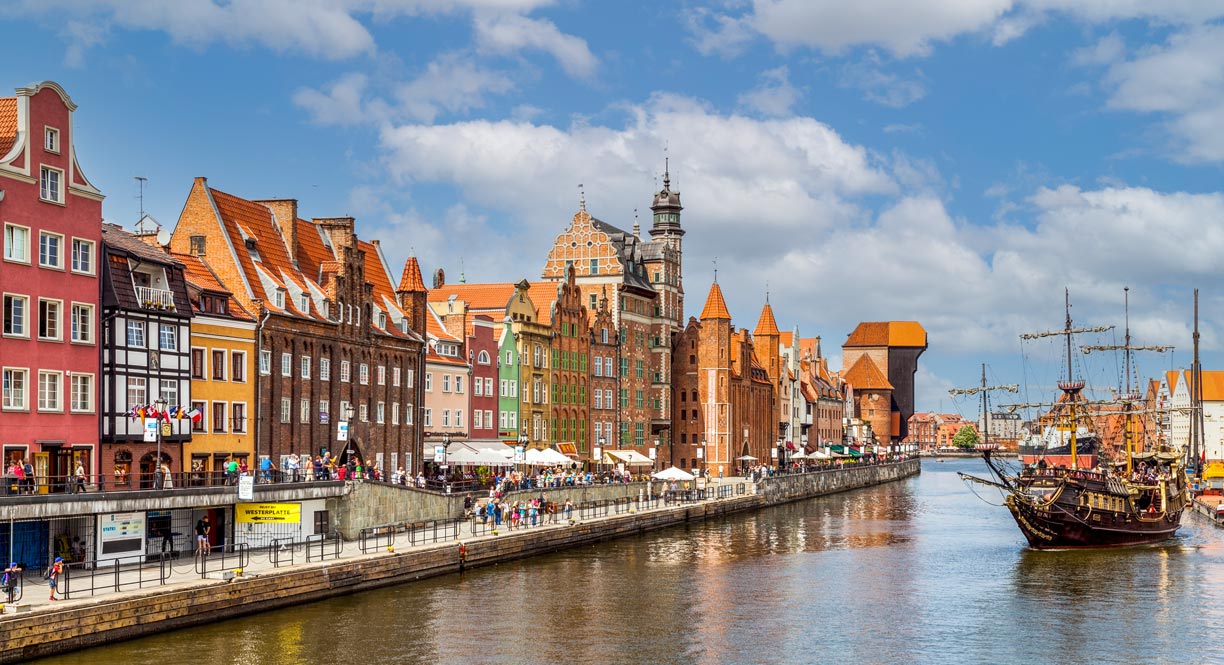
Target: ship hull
(1066, 527)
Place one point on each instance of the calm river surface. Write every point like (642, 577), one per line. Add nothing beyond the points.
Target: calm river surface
(920, 571)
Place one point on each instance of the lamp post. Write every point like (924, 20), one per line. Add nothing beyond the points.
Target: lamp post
(348, 418)
(446, 439)
(781, 455)
(523, 441)
(599, 455)
(702, 453)
(158, 480)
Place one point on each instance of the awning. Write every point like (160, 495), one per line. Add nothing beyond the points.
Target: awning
(546, 457)
(628, 457)
(567, 448)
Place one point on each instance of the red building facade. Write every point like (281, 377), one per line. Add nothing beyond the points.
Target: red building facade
(52, 231)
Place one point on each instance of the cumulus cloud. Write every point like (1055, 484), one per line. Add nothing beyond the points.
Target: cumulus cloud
(775, 96)
(508, 33)
(882, 87)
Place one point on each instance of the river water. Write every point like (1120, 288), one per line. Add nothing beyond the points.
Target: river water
(919, 571)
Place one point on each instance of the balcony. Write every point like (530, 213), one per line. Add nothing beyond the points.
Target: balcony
(151, 298)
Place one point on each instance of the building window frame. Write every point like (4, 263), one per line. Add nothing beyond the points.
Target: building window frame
(16, 388)
(51, 184)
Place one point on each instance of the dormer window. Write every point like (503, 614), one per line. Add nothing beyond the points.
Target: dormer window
(51, 141)
(278, 298)
(382, 320)
(304, 303)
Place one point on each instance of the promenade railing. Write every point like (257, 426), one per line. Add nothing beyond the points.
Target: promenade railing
(90, 577)
(320, 547)
(222, 558)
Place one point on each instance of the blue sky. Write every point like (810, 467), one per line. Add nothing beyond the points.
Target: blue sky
(957, 162)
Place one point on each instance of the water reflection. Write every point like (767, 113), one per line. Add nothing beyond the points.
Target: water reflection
(914, 572)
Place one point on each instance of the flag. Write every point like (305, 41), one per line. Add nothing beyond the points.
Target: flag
(140, 412)
(195, 415)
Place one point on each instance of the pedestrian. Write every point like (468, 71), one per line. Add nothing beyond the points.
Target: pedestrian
(265, 468)
(293, 465)
(80, 476)
(167, 481)
(53, 574)
(467, 506)
(27, 470)
(9, 584)
(202, 529)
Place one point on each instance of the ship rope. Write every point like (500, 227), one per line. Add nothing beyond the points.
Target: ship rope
(971, 483)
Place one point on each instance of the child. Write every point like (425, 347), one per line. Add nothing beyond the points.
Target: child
(53, 575)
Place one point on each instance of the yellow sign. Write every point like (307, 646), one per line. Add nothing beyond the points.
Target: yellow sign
(264, 513)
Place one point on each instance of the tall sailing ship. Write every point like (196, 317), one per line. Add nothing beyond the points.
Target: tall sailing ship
(1079, 502)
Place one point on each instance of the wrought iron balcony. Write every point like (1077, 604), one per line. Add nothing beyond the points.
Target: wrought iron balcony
(151, 298)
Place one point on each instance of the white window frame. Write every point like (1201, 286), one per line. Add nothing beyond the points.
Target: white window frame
(446, 386)
(91, 253)
(324, 407)
(459, 384)
(24, 259)
(363, 374)
(225, 423)
(58, 194)
(394, 413)
(265, 362)
(408, 413)
(477, 419)
(363, 412)
(25, 314)
(346, 371)
(427, 416)
(286, 410)
(51, 139)
(58, 394)
(325, 369)
(238, 358)
(89, 310)
(488, 416)
(428, 382)
(380, 412)
(59, 254)
(304, 410)
(236, 428)
(381, 375)
(131, 325)
(459, 421)
(6, 401)
(411, 378)
(488, 386)
(446, 418)
(162, 329)
(395, 377)
(286, 364)
(59, 320)
(478, 387)
(73, 405)
(130, 384)
(305, 363)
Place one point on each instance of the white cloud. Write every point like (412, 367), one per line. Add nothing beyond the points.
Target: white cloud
(775, 96)
(880, 86)
(1106, 50)
(341, 103)
(509, 33)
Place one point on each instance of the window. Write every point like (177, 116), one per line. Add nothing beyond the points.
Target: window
(304, 410)
(446, 417)
(608, 366)
(50, 250)
(504, 386)
(218, 365)
(488, 384)
(168, 340)
(136, 391)
(538, 356)
(379, 412)
(501, 419)
(278, 298)
(325, 369)
(363, 412)
(199, 424)
(598, 367)
(197, 363)
(16, 243)
(324, 411)
(169, 391)
(265, 362)
(51, 140)
(509, 358)
(82, 323)
(218, 416)
(459, 383)
(304, 303)
(382, 375)
(363, 374)
(82, 256)
(286, 364)
(477, 421)
(408, 414)
(136, 334)
(446, 383)
(286, 406)
(197, 245)
(238, 411)
(513, 420)
(50, 391)
(395, 376)
(49, 319)
(49, 185)
(488, 418)
(344, 409)
(598, 399)
(411, 378)
(238, 366)
(483, 358)
(305, 367)
(513, 388)
(459, 418)
(427, 415)
(14, 388)
(428, 382)
(15, 308)
(345, 373)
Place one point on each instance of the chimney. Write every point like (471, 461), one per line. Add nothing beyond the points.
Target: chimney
(285, 211)
(339, 231)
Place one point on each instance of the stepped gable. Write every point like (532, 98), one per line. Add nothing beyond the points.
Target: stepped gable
(766, 325)
(246, 220)
(865, 375)
(8, 124)
(410, 280)
(716, 306)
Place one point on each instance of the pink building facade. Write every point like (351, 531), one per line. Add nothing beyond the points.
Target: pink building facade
(52, 229)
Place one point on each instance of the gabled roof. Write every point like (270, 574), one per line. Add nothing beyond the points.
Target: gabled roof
(766, 325)
(866, 375)
(1213, 383)
(716, 306)
(482, 297)
(117, 239)
(543, 295)
(313, 255)
(8, 124)
(888, 333)
(199, 275)
(244, 219)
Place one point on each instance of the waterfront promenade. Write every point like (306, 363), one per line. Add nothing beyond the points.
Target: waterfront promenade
(188, 599)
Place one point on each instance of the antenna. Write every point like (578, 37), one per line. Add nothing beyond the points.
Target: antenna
(141, 180)
(581, 198)
(716, 270)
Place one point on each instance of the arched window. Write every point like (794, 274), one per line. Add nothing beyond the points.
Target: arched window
(483, 358)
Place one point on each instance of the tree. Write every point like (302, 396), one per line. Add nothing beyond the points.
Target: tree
(966, 437)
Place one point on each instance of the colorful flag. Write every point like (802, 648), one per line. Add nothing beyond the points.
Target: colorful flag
(195, 415)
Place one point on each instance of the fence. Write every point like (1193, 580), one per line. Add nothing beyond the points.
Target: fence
(90, 577)
(320, 547)
(377, 538)
(431, 531)
(232, 556)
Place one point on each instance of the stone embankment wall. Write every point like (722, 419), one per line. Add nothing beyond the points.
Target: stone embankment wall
(78, 625)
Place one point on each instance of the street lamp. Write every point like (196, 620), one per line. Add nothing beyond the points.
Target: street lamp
(781, 455)
(348, 418)
(159, 405)
(599, 454)
(523, 441)
(702, 454)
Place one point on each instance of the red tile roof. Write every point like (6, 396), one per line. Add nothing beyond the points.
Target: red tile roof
(787, 338)
(716, 306)
(543, 295)
(8, 124)
(766, 325)
(480, 297)
(312, 255)
(411, 279)
(888, 333)
(865, 375)
(200, 275)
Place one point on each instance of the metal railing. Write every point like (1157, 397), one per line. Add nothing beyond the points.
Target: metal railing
(431, 531)
(377, 538)
(90, 577)
(222, 558)
(320, 547)
(151, 298)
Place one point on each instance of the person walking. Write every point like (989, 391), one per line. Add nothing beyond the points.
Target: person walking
(53, 575)
(202, 529)
(292, 466)
(80, 476)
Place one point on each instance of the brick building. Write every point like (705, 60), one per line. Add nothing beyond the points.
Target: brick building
(336, 343)
(891, 350)
(51, 217)
(571, 363)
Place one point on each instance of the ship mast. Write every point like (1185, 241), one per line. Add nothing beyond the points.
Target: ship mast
(1196, 399)
(984, 391)
(1129, 397)
(1071, 388)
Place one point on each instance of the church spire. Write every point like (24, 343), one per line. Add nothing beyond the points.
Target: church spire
(666, 207)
